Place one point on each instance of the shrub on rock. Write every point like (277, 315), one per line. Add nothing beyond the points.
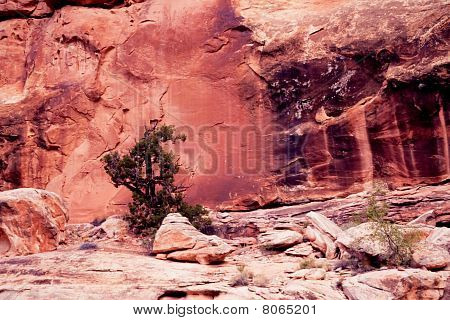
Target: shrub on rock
(379, 237)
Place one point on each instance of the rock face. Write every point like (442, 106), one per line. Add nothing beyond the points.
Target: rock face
(410, 284)
(31, 221)
(322, 106)
(178, 240)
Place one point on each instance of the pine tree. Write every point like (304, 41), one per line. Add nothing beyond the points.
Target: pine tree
(148, 170)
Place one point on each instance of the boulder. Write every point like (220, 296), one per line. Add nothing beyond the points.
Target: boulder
(360, 239)
(300, 250)
(207, 250)
(430, 256)
(440, 237)
(31, 221)
(321, 241)
(114, 227)
(409, 284)
(323, 224)
(182, 242)
(280, 239)
(309, 274)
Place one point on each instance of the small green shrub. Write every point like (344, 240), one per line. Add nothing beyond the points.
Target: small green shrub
(400, 244)
(307, 263)
(243, 278)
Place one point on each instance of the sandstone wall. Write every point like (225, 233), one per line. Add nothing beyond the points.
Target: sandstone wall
(281, 100)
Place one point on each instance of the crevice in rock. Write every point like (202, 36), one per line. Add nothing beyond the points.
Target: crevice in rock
(173, 294)
(187, 295)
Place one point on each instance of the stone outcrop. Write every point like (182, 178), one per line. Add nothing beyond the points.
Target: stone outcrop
(279, 239)
(405, 204)
(428, 218)
(322, 232)
(410, 284)
(329, 107)
(31, 221)
(107, 267)
(178, 240)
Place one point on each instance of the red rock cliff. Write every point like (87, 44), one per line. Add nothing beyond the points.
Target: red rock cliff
(281, 100)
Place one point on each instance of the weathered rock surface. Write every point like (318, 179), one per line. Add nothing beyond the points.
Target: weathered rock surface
(309, 274)
(279, 239)
(430, 256)
(114, 227)
(323, 224)
(313, 290)
(331, 107)
(107, 275)
(117, 269)
(405, 204)
(180, 241)
(300, 250)
(425, 218)
(25, 8)
(321, 241)
(440, 237)
(31, 221)
(410, 284)
(360, 240)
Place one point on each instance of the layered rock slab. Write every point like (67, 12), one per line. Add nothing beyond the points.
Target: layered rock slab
(409, 284)
(280, 239)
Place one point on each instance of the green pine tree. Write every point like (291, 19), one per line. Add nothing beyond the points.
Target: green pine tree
(148, 170)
